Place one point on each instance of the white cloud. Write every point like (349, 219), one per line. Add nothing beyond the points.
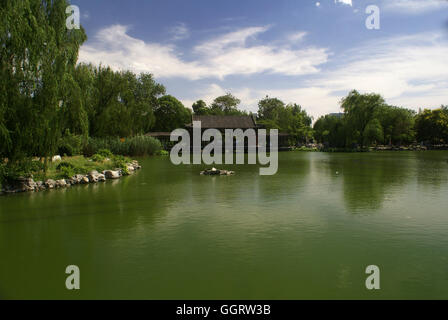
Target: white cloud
(415, 6)
(297, 36)
(226, 55)
(317, 4)
(115, 48)
(408, 71)
(347, 2)
(180, 32)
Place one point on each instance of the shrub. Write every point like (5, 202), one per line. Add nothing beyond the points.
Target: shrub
(64, 165)
(121, 163)
(164, 153)
(106, 153)
(98, 158)
(70, 144)
(66, 172)
(26, 168)
(142, 146)
(134, 146)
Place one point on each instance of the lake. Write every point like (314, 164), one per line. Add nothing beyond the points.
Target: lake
(308, 232)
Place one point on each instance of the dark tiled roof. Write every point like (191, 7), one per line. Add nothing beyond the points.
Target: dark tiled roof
(225, 122)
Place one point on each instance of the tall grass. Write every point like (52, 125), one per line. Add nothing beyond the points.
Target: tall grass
(134, 146)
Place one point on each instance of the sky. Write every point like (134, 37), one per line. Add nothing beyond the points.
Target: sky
(301, 51)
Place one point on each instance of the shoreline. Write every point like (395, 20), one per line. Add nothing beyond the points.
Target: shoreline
(23, 184)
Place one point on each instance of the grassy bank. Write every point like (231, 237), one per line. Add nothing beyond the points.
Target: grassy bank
(64, 169)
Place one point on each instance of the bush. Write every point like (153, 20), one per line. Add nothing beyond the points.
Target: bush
(64, 165)
(70, 145)
(164, 153)
(106, 153)
(26, 168)
(142, 146)
(134, 146)
(98, 158)
(121, 163)
(66, 172)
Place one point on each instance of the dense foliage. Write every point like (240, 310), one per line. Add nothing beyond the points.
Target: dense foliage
(366, 120)
(291, 119)
(37, 90)
(223, 105)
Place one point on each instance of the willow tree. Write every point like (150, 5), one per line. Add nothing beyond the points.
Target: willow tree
(37, 54)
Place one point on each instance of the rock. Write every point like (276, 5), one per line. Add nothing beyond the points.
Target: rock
(136, 165)
(101, 177)
(61, 183)
(26, 184)
(216, 172)
(50, 184)
(40, 185)
(20, 185)
(77, 178)
(110, 174)
(92, 177)
(85, 180)
(56, 158)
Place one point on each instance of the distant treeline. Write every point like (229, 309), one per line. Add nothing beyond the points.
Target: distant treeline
(367, 120)
(49, 104)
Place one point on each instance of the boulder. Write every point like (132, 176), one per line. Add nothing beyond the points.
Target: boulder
(77, 178)
(92, 177)
(85, 180)
(136, 165)
(110, 174)
(40, 185)
(56, 158)
(27, 184)
(20, 185)
(61, 183)
(101, 177)
(50, 184)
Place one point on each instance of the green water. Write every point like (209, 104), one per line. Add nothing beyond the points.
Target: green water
(305, 233)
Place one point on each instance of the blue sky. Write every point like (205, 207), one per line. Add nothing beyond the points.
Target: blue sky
(307, 52)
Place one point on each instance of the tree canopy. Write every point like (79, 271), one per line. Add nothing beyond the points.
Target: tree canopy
(366, 120)
(37, 56)
(170, 114)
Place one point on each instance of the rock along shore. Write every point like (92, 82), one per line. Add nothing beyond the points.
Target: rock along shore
(28, 184)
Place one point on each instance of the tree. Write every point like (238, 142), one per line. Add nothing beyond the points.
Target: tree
(121, 103)
(330, 130)
(171, 114)
(432, 126)
(292, 119)
(37, 52)
(200, 108)
(397, 124)
(269, 109)
(226, 104)
(360, 110)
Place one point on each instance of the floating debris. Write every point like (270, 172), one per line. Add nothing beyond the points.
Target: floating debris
(216, 172)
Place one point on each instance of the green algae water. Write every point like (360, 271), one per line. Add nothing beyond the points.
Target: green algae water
(308, 232)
